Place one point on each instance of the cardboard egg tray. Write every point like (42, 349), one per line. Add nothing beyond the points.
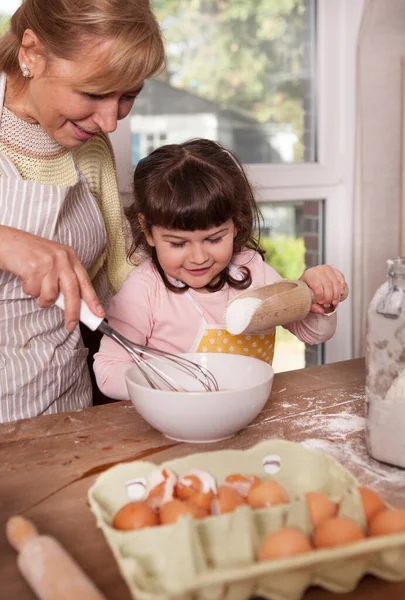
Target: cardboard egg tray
(214, 558)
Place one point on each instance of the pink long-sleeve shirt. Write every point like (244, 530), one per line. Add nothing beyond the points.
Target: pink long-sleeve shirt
(147, 312)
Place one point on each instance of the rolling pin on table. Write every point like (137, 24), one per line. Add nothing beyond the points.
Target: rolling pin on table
(49, 570)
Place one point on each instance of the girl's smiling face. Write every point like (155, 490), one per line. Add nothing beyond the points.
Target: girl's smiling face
(194, 257)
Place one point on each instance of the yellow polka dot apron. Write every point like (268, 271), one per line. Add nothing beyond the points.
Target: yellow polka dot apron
(215, 338)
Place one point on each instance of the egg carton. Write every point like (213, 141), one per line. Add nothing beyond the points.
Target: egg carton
(214, 558)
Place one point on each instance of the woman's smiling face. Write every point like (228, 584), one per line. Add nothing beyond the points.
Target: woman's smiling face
(55, 96)
(194, 257)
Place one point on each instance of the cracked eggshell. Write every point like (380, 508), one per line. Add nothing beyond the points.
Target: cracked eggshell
(195, 481)
(226, 500)
(267, 493)
(242, 483)
(187, 486)
(160, 487)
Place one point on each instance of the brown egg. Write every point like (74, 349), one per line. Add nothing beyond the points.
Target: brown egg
(268, 493)
(372, 503)
(284, 542)
(242, 483)
(171, 512)
(337, 531)
(203, 500)
(226, 500)
(387, 521)
(135, 515)
(320, 507)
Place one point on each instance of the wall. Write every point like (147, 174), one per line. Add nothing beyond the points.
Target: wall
(377, 203)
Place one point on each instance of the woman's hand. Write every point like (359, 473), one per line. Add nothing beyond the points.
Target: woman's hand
(46, 268)
(327, 285)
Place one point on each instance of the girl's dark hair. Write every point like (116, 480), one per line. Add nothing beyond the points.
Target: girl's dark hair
(194, 185)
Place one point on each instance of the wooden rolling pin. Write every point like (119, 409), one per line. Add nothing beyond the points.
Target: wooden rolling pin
(47, 567)
(279, 303)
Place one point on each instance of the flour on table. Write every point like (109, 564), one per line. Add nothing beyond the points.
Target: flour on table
(352, 453)
(334, 426)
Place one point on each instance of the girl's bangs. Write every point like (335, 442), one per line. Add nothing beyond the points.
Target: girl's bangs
(192, 207)
(127, 64)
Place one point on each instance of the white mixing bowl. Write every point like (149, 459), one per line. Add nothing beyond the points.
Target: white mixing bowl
(199, 416)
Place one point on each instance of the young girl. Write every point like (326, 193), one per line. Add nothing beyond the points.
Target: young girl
(194, 215)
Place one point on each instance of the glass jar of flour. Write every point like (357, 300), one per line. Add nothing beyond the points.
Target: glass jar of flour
(385, 368)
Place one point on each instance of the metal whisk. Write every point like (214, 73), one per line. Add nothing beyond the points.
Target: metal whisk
(155, 377)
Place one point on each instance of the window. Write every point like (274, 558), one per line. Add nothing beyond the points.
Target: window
(241, 73)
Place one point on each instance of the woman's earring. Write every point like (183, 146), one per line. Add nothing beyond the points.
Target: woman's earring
(25, 70)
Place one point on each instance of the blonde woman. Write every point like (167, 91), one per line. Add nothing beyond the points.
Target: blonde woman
(70, 69)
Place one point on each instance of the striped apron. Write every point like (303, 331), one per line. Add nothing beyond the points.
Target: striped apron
(43, 367)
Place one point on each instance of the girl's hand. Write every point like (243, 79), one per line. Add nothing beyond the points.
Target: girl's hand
(46, 268)
(327, 285)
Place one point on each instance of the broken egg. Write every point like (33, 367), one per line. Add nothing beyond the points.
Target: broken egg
(320, 507)
(226, 500)
(196, 485)
(372, 503)
(337, 531)
(135, 515)
(171, 511)
(387, 521)
(242, 483)
(160, 487)
(187, 486)
(286, 541)
(267, 493)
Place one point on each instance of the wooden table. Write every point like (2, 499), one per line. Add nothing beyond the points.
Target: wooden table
(48, 463)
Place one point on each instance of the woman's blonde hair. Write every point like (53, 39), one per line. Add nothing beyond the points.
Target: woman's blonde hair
(64, 27)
